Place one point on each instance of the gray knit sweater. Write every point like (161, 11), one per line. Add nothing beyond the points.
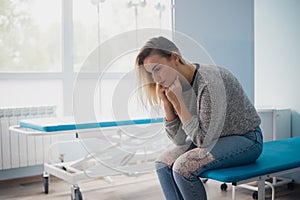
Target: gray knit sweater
(219, 107)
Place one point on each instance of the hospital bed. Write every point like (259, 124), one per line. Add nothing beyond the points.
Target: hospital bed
(278, 158)
(124, 147)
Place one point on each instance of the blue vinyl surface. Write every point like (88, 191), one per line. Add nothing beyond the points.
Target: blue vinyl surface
(66, 124)
(277, 156)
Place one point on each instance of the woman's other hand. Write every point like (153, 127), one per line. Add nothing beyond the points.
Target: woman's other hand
(168, 107)
(174, 93)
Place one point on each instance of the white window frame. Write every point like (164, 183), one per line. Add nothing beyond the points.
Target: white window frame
(68, 75)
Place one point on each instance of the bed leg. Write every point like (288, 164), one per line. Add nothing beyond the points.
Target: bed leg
(261, 190)
(75, 192)
(233, 192)
(272, 188)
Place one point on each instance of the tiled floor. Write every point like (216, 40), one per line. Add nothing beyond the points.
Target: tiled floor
(144, 187)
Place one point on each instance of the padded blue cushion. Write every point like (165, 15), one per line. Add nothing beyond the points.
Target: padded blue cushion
(67, 123)
(277, 156)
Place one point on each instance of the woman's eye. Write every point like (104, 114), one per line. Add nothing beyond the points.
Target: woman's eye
(156, 69)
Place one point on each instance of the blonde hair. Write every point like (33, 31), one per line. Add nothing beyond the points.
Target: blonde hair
(147, 87)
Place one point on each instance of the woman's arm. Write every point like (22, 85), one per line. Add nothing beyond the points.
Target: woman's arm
(169, 112)
(194, 126)
(175, 97)
(197, 126)
(173, 125)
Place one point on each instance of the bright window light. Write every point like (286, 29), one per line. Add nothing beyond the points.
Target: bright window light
(31, 30)
(96, 21)
(30, 35)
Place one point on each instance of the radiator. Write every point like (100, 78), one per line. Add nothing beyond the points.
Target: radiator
(18, 150)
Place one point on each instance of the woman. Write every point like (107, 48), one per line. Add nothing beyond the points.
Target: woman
(208, 117)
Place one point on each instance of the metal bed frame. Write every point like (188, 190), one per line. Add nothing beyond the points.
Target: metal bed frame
(134, 164)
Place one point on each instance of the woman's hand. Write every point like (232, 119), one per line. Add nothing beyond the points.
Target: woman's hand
(174, 93)
(162, 95)
(175, 96)
(168, 107)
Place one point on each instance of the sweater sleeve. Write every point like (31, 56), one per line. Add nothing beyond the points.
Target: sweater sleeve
(175, 132)
(197, 127)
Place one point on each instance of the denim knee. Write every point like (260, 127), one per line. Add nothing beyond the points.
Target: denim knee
(160, 165)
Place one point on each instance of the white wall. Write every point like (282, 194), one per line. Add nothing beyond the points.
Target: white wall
(277, 56)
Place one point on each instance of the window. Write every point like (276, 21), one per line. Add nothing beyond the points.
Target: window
(30, 36)
(97, 21)
(46, 40)
(30, 30)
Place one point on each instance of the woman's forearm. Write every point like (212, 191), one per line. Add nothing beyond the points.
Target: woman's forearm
(169, 112)
(183, 112)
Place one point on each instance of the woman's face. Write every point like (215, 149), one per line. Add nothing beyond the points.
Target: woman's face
(162, 69)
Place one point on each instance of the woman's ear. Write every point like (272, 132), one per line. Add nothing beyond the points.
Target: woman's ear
(176, 57)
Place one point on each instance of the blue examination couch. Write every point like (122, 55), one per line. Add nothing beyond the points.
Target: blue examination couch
(279, 157)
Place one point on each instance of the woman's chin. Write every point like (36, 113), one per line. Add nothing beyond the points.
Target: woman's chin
(165, 86)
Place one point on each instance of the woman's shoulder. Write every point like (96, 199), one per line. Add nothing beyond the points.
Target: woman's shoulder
(211, 71)
(212, 68)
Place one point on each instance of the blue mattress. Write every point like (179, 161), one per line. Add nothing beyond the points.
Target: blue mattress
(67, 124)
(277, 156)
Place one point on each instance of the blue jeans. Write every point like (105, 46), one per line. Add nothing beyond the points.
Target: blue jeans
(178, 184)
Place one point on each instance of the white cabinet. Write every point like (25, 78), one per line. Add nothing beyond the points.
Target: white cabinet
(275, 123)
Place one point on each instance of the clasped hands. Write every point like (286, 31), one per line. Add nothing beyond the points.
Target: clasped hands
(172, 95)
